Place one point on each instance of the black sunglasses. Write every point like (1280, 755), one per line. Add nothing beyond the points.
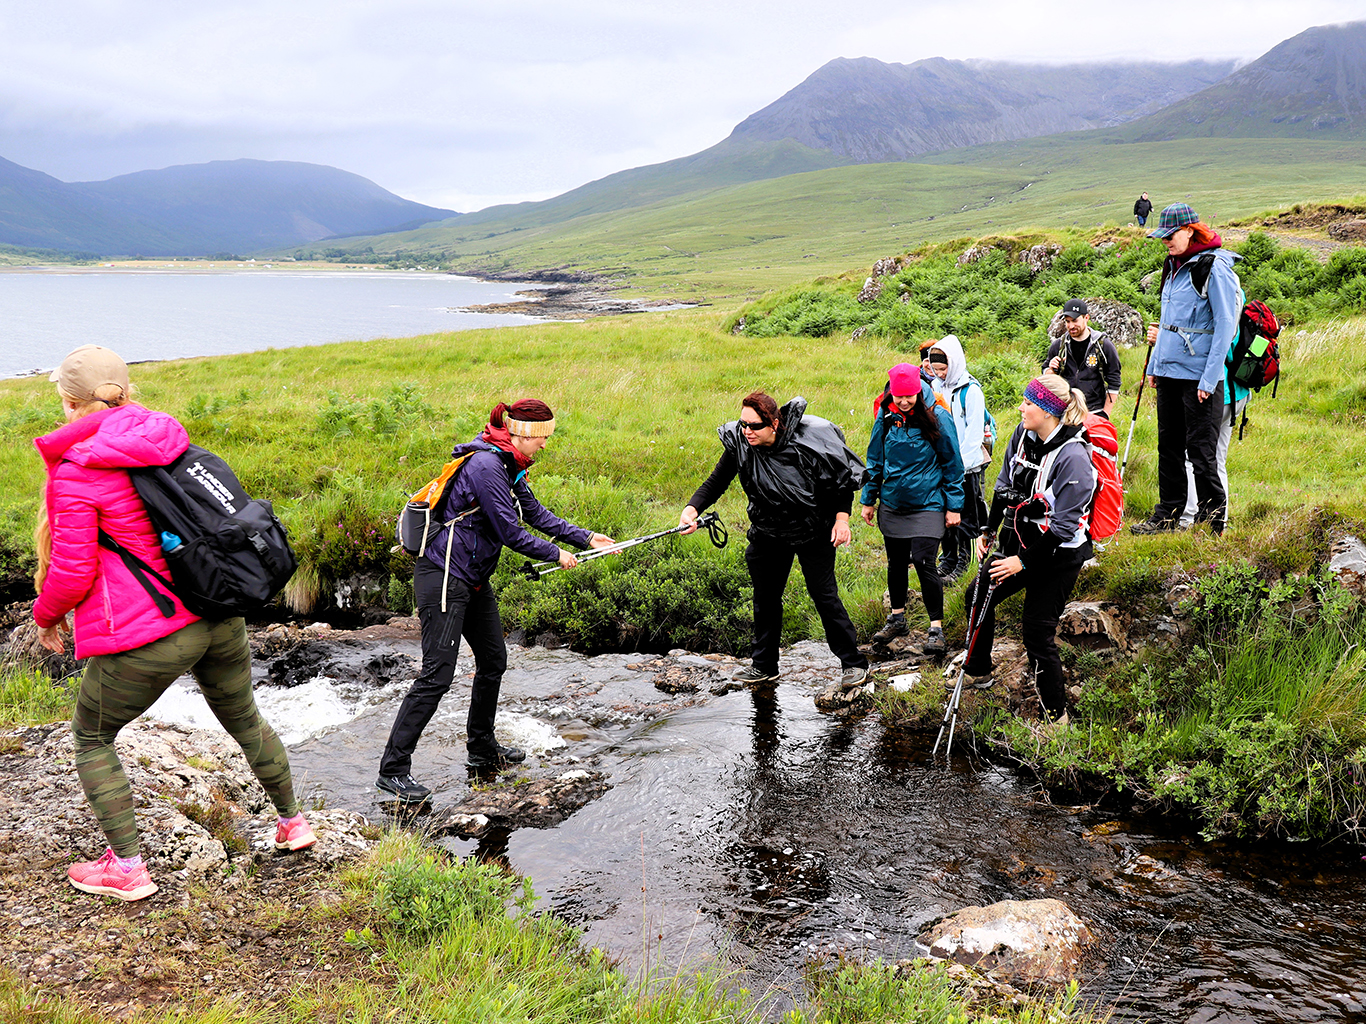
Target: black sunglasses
(752, 425)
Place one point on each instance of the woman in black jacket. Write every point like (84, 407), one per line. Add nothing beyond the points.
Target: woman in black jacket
(1040, 506)
(800, 478)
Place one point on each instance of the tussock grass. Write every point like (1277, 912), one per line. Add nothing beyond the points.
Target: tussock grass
(29, 697)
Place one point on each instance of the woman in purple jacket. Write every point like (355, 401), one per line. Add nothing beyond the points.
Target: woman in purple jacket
(455, 598)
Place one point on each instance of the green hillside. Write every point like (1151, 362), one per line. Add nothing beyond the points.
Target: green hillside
(735, 241)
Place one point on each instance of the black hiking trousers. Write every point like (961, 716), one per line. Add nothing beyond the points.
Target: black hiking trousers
(770, 563)
(1188, 428)
(1046, 590)
(472, 614)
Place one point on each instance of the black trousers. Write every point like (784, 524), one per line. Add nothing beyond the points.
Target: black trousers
(770, 563)
(472, 614)
(921, 551)
(1188, 428)
(1047, 588)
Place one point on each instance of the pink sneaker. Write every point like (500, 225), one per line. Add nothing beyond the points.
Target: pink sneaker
(106, 878)
(294, 834)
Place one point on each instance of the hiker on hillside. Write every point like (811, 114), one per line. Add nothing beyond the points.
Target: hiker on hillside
(1142, 207)
(800, 477)
(968, 405)
(927, 373)
(1199, 324)
(1235, 402)
(1086, 359)
(135, 649)
(455, 598)
(1044, 489)
(915, 488)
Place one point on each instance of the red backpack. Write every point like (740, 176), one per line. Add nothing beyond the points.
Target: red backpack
(1101, 521)
(1107, 507)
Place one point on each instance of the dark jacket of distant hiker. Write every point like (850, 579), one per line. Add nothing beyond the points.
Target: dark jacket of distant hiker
(1143, 207)
(797, 486)
(492, 480)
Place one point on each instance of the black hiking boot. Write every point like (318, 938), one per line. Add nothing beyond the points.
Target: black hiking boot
(894, 627)
(501, 758)
(406, 788)
(934, 641)
(1149, 526)
(750, 675)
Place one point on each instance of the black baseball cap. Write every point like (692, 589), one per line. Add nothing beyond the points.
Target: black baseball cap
(1074, 308)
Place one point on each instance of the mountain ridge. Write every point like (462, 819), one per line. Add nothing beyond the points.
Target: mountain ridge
(196, 209)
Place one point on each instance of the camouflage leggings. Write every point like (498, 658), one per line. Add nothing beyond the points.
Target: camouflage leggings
(116, 688)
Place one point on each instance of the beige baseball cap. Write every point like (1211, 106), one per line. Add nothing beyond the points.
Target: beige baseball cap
(87, 369)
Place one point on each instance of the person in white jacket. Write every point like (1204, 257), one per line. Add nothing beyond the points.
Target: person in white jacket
(968, 405)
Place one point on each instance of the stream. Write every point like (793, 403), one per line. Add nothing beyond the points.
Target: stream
(753, 831)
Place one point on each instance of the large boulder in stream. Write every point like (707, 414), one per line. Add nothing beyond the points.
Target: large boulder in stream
(1029, 941)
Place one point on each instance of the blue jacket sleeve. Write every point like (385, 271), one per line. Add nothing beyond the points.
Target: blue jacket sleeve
(1224, 304)
(950, 460)
(876, 463)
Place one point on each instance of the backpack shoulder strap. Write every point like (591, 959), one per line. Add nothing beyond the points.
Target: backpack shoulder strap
(1201, 268)
(143, 573)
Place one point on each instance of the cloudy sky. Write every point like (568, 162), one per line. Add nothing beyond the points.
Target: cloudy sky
(464, 105)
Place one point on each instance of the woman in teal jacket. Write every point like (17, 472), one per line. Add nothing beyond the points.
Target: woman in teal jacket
(915, 487)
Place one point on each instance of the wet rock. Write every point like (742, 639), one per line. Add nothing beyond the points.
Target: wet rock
(1039, 258)
(974, 986)
(726, 686)
(1092, 625)
(679, 679)
(339, 659)
(1122, 324)
(361, 591)
(836, 698)
(1026, 940)
(539, 803)
(1347, 563)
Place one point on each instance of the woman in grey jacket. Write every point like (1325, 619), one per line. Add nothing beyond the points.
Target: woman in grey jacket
(1201, 303)
(1041, 507)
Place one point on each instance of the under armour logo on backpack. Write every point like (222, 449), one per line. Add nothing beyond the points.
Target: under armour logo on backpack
(214, 486)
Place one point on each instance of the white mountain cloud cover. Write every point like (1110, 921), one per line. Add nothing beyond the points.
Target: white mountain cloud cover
(464, 105)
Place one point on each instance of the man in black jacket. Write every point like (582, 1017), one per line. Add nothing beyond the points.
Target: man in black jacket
(800, 478)
(1142, 207)
(1086, 358)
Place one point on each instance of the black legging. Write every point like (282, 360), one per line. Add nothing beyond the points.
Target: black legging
(922, 551)
(1046, 588)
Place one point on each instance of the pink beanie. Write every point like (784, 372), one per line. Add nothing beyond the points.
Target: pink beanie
(905, 379)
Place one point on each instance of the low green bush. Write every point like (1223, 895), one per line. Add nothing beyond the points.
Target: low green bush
(423, 895)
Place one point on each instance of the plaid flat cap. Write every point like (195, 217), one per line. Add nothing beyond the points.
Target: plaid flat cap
(1174, 218)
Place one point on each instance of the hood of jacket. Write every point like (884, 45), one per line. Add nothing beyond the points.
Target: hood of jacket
(125, 437)
(958, 362)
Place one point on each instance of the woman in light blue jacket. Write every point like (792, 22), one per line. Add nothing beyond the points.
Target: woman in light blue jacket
(968, 406)
(1200, 307)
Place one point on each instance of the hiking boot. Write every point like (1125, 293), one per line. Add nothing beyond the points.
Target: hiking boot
(952, 571)
(894, 627)
(294, 834)
(749, 675)
(983, 682)
(502, 757)
(934, 641)
(105, 878)
(406, 788)
(853, 678)
(1148, 526)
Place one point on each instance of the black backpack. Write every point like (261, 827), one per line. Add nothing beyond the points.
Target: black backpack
(233, 554)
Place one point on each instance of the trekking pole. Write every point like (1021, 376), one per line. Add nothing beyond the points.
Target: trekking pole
(975, 627)
(1134, 422)
(710, 522)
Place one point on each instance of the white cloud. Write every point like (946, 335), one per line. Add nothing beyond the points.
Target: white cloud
(457, 103)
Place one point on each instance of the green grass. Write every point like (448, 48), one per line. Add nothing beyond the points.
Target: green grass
(30, 698)
(735, 241)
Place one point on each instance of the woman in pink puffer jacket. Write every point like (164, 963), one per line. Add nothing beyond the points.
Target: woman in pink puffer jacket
(135, 652)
